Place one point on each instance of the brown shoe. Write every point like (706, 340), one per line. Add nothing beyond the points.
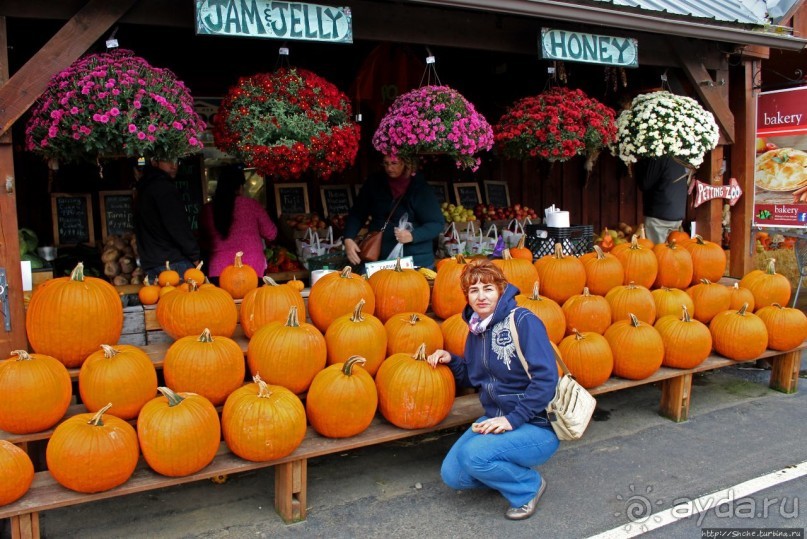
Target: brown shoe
(526, 510)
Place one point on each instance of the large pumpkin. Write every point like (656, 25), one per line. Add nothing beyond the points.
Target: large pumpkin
(179, 433)
(289, 354)
(787, 327)
(674, 265)
(412, 394)
(709, 299)
(631, 299)
(36, 392)
(105, 445)
(586, 312)
(399, 290)
(518, 271)
(336, 294)
(182, 313)
(70, 317)
(687, 342)
(238, 278)
(561, 276)
(767, 286)
(604, 271)
(455, 333)
(588, 357)
(357, 334)
(447, 296)
(739, 335)
(637, 348)
(640, 263)
(262, 422)
(708, 260)
(123, 375)
(16, 472)
(670, 301)
(210, 366)
(547, 310)
(342, 400)
(269, 303)
(405, 331)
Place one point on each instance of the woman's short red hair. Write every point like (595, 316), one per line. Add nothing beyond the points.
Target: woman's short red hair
(482, 270)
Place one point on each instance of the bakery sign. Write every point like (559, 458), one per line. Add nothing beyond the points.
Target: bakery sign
(704, 192)
(780, 164)
(274, 20)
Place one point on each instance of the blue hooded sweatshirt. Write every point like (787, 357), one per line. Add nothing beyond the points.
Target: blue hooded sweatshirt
(491, 364)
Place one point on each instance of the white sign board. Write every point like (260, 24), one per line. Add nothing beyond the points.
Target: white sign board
(372, 267)
(590, 48)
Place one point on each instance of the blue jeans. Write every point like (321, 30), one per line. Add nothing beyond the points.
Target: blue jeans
(500, 461)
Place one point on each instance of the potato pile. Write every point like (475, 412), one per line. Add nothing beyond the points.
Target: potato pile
(119, 257)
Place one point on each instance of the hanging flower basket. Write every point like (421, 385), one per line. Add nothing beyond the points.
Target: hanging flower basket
(114, 104)
(434, 120)
(287, 123)
(664, 124)
(556, 125)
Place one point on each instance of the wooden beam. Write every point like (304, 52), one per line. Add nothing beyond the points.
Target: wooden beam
(756, 51)
(70, 42)
(709, 90)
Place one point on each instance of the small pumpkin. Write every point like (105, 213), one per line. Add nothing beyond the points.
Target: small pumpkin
(179, 433)
(787, 327)
(168, 276)
(739, 296)
(357, 334)
(768, 287)
(336, 294)
(194, 274)
(16, 472)
(588, 357)
(687, 342)
(296, 284)
(406, 330)
(342, 399)
(739, 335)
(149, 294)
(238, 278)
(586, 312)
(678, 236)
(269, 303)
(637, 348)
(547, 310)
(520, 251)
(92, 453)
(709, 299)
(399, 290)
(643, 240)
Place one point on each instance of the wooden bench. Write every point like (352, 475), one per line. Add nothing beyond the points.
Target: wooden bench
(291, 471)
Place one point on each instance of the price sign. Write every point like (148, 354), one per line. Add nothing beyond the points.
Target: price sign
(497, 193)
(72, 219)
(440, 191)
(336, 199)
(467, 194)
(117, 212)
(291, 198)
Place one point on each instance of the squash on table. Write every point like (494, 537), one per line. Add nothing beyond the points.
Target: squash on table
(183, 313)
(455, 333)
(336, 294)
(547, 310)
(768, 287)
(604, 271)
(168, 276)
(149, 294)
(631, 299)
(36, 392)
(708, 259)
(406, 330)
(269, 303)
(687, 342)
(709, 299)
(238, 278)
(787, 327)
(519, 272)
(586, 312)
(357, 334)
(195, 274)
(447, 295)
(588, 357)
(637, 348)
(342, 399)
(399, 290)
(739, 335)
(640, 263)
(16, 472)
(561, 276)
(674, 265)
(670, 301)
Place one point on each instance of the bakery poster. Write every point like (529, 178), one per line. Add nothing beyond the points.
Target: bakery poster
(780, 170)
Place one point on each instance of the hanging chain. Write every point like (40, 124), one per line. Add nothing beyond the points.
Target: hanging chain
(430, 73)
(282, 58)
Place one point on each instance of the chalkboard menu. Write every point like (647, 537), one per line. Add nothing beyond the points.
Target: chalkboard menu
(467, 194)
(72, 219)
(336, 199)
(497, 194)
(117, 215)
(440, 191)
(189, 185)
(291, 198)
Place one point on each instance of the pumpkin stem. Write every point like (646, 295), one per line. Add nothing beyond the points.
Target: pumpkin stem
(634, 242)
(506, 255)
(586, 292)
(263, 387)
(398, 265)
(357, 316)
(22, 355)
(771, 267)
(173, 398)
(414, 319)
(698, 238)
(109, 352)
(146, 281)
(347, 368)
(706, 281)
(78, 272)
(535, 291)
(268, 281)
(685, 314)
(520, 244)
(736, 286)
(237, 263)
(205, 336)
(777, 305)
(742, 310)
(199, 265)
(558, 251)
(577, 335)
(631, 285)
(460, 259)
(293, 321)
(420, 354)
(600, 252)
(97, 419)
(167, 265)
(346, 272)
(193, 286)
(633, 320)
(642, 233)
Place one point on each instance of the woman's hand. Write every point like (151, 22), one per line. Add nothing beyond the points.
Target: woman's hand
(403, 235)
(352, 251)
(439, 356)
(492, 425)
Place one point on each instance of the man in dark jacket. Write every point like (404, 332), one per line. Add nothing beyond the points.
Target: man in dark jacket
(161, 224)
(663, 182)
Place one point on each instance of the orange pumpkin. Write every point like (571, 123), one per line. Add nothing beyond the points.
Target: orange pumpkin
(211, 367)
(674, 265)
(787, 327)
(16, 472)
(739, 335)
(670, 300)
(709, 299)
(687, 342)
(195, 274)
(561, 276)
(269, 303)
(447, 296)
(336, 294)
(678, 236)
(643, 240)
(519, 251)
(123, 375)
(295, 284)
(637, 348)
(739, 296)
(455, 333)
(357, 334)
(168, 277)
(708, 259)
(107, 445)
(179, 433)
(631, 298)
(70, 317)
(342, 400)
(641, 265)
(768, 287)
(518, 271)
(588, 357)
(585, 313)
(412, 394)
(405, 331)
(399, 290)
(36, 392)
(288, 355)
(182, 313)
(262, 422)
(164, 290)
(238, 278)
(148, 294)
(604, 271)
(547, 310)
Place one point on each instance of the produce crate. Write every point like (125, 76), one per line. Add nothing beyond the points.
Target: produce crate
(575, 240)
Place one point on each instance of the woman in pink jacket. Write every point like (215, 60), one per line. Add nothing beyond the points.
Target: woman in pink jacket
(233, 222)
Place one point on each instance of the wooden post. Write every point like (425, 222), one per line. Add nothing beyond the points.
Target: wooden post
(25, 526)
(675, 397)
(291, 479)
(785, 372)
(709, 215)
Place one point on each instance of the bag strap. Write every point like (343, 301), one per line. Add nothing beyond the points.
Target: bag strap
(514, 331)
(395, 207)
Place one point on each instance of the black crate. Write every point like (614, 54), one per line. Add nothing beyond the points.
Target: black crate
(575, 240)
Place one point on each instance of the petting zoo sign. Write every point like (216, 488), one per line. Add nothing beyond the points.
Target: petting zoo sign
(705, 192)
(274, 20)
